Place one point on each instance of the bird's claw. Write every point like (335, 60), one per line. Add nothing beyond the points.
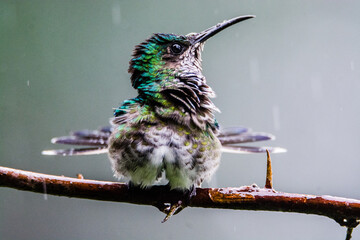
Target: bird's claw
(172, 209)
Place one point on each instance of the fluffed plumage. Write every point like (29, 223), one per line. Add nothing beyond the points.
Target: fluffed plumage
(170, 126)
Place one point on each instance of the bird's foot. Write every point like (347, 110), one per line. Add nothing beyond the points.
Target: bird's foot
(170, 202)
(171, 209)
(183, 198)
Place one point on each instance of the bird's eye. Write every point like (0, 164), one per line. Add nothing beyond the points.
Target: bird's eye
(176, 48)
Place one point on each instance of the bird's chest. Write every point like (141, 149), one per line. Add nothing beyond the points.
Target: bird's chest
(143, 152)
(162, 142)
(181, 140)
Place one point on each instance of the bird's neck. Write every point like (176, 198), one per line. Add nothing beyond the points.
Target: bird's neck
(182, 96)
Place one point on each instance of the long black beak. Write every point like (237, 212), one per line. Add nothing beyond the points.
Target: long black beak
(208, 33)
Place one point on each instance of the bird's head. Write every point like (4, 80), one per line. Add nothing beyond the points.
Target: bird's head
(166, 71)
(166, 56)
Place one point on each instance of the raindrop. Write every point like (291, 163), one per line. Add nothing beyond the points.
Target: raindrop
(45, 191)
(116, 14)
(317, 88)
(254, 70)
(276, 117)
(352, 65)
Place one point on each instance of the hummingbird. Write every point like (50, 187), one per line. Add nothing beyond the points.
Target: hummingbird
(169, 130)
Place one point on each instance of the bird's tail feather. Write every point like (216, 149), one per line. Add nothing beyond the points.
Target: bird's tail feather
(97, 142)
(247, 149)
(231, 138)
(74, 140)
(76, 151)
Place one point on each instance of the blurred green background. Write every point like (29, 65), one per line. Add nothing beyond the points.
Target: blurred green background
(293, 71)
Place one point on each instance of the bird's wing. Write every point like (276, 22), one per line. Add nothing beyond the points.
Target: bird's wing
(231, 138)
(248, 149)
(97, 142)
(231, 131)
(76, 151)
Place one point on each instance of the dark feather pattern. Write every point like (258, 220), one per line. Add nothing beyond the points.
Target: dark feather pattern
(192, 94)
(245, 137)
(181, 102)
(180, 96)
(231, 131)
(92, 134)
(74, 140)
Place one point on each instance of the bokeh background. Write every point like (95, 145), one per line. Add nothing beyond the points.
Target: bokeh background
(293, 71)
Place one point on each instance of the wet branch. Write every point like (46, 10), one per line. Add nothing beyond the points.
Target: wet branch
(343, 210)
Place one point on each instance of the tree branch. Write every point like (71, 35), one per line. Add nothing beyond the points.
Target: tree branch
(345, 211)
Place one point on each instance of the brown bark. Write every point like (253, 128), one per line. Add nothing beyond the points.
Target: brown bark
(343, 210)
